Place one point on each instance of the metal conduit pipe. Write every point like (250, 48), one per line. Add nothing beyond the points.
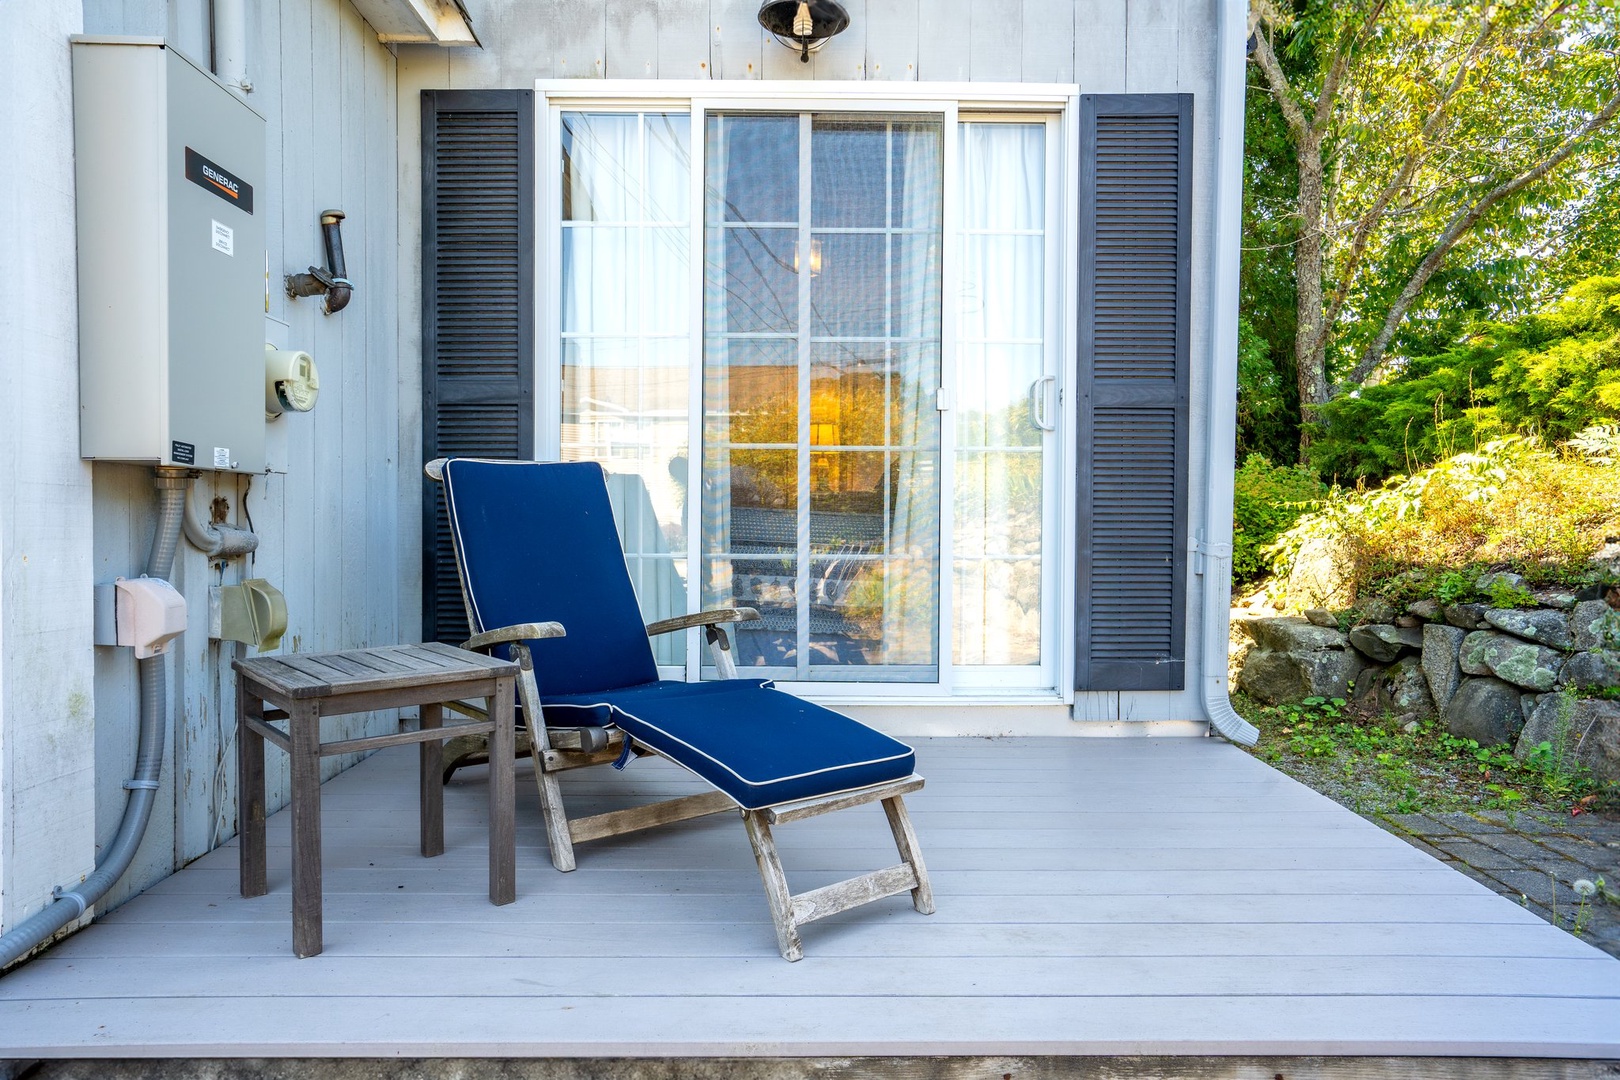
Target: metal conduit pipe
(213, 540)
(172, 486)
(1221, 429)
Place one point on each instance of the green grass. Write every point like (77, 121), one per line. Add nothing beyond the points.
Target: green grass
(1358, 762)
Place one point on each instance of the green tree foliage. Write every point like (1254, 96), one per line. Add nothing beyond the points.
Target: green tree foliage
(1267, 407)
(1437, 147)
(1268, 394)
(1267, 500)
(1551, 374)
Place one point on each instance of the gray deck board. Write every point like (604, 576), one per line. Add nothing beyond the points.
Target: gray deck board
(1095, 897)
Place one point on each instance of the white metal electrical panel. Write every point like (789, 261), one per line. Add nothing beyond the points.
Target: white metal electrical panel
(170, 174)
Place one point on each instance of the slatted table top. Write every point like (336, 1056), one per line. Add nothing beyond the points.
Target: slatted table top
(357, 671)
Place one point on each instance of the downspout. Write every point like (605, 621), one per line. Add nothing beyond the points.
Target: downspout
(1213, 546)
(172, 484)
(229, 19)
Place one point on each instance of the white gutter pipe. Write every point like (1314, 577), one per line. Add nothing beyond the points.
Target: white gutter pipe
(1213, 546)
(230, 44)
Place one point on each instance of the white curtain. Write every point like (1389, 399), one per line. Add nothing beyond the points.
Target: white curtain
(1001, 355)
(624, 322)
(911, 608)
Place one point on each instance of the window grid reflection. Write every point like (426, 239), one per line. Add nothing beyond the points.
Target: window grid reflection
(821, 438)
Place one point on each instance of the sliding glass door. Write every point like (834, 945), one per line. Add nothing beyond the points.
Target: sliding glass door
(821, 363)
(817, 352)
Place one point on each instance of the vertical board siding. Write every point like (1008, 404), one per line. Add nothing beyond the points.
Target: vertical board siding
(1048, 40)
(1093, 42)
(892, 37)
(477, 306)
(1136, 171)
(329, 526)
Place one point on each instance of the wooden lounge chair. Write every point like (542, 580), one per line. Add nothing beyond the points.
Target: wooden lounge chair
(545, 583)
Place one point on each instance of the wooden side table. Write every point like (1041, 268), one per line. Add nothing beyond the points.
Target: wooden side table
(302, 688)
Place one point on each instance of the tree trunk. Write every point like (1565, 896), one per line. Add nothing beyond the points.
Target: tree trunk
(1309, 339)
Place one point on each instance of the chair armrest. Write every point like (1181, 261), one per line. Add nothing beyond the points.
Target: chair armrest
(702, 618)
(505, 635)
(434, 470)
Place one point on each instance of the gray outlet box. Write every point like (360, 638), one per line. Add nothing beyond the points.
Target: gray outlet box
(170, 174)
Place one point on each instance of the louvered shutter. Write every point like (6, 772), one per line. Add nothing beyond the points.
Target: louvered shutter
(477, 306)
(1136, 180)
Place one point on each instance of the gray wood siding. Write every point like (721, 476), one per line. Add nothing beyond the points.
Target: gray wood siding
(1103, 46)
(330, 527)
(1108, 46)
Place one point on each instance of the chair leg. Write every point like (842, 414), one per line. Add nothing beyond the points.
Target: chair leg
(922, 897)
(776, 886)
(551, 809)
(551, 800)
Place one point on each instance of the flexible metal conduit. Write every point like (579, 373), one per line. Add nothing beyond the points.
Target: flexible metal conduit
(172, 486)
(1221, 415)
(216, 540)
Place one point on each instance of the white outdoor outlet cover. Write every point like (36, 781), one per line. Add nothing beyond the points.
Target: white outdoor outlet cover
(150, 613)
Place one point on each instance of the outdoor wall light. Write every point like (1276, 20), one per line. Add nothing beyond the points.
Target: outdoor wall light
(802, 25)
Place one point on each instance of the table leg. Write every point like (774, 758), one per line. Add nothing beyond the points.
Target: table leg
(431, 783)
(503, 795)
(304, 726)
(249, 793)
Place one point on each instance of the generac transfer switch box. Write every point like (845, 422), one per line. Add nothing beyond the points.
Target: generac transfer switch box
(170, 177)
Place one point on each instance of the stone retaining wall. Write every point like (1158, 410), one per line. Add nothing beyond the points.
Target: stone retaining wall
(1491, 674)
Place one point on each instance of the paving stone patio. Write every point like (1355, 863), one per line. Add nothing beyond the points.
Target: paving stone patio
(1533, 858)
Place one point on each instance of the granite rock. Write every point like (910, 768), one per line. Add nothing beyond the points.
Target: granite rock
(1598, 669)
(1467, 616)
(1426, 609)
(1383, 642)
(1505, 578)
(1375, 609)
(1404, 690)
(1485, 710)
(1272, 677)
(1545, 627)
(1522, 663)
(1441, 646)
(1555, 598)
(1596, 625)
(1583, 730)
(1320, 574)
(1293, 634)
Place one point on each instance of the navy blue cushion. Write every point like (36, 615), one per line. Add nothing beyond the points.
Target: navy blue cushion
(755, 743)
(536, 542)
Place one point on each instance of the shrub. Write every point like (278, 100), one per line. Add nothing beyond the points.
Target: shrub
(1512, 505)
(1266, 501)
(1549, 374)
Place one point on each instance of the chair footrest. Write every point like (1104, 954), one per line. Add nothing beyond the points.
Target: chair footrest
(809, 808)
(843, 895)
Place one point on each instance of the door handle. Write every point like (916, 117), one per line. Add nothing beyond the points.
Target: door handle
(1037, 403)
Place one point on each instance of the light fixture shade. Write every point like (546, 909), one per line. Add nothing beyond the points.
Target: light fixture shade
(787, 21)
